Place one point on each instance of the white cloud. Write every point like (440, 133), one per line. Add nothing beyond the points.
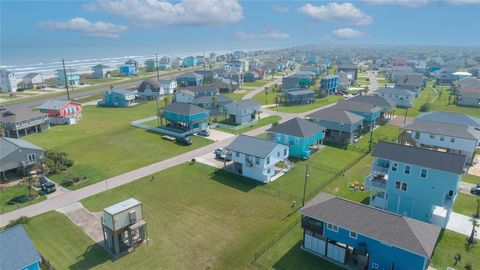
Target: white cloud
(90, 29)
(280, 9)
(462, 2)
(269, 33)
(347, 33)
(407, 3)
(342, 13)
(157, 13)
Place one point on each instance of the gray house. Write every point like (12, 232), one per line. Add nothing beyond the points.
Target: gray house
(340, 126)
(101, 71)
(243, 111)
(410, 81)
(21, 122)
(18, 156)
(32, 80)
(402, 97)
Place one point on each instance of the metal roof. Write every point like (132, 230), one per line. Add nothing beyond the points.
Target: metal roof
(252, 146)
(122, 206)
(17, 250)
(399, 231)
(297, 127)
(441, 161)
(336, 115)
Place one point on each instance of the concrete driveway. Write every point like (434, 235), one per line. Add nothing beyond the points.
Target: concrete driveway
(461, 224)
(466, 187)
(475, 169)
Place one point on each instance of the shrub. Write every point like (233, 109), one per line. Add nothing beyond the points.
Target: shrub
(57, 161)
(425, 107)
(21, 220)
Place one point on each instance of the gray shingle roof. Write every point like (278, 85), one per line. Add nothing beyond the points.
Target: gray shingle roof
(413, 79)
(31, 75)
(356, 106)
(375, 100)
(453, 130)
(202, 88)
(300, 92)
(16, 115)
(153, 84)
(17, 250)
(190, 75)
(184, 108)
(9, 145)
(252, 146)
(441, 161)
(347, 66)
(53, 104)
(297, 127)
(248, 103)
(208, 99)
(336, 115)
(399, 231)
(395, 91)
(449, 117)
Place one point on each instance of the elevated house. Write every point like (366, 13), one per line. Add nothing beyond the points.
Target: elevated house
(350, 69)
(444, 76)
(401, 97)
(72, 76)
(369, 112)
(387, 106)
(21, 253)
(151, 65)
(301, 136)
(329, 84)
(184, 118)
(62, 112)
(168, 86)
(118, 98)
(101, 71)
(150, 89)
(21, 122)
(311, 68)
(214, 104)
(189, 61)
(467, 91)
(258, 159)
(165, 63)
(128, 70)
(411, 81)
(357, 236)
(340, 126)
(225, 85)
(33, 80)
(189, 79)
(296, 81)
(299, 96)
(187, 94)
(243, 111)
(8, 81)
(208, 75)
(18, 157)
(401, 175)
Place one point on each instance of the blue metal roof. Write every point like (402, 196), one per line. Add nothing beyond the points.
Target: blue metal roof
(17, 250)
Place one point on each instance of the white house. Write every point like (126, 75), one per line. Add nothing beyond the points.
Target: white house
(243, 111)
(152, 89)
(401, 97)
(257, 158)
(8, 82)
(32, 80)
(168, 86)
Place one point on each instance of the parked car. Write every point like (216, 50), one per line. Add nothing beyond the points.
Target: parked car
(168, 138)
(204, 133)
(475, 190)
(221, 153)
(184, 140)
(46, 185)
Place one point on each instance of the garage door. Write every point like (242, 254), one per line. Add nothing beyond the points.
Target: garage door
(336, 253)
(314, 244)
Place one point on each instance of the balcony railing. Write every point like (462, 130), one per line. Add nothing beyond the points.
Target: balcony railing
(376, 181)
(380, 168)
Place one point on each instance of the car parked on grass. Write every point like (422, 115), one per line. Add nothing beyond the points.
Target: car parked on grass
(184, 140)
(204, 133)
(475, 190)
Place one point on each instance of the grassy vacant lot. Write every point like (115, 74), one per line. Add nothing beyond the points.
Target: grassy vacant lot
(260, 123)
(13, 192)
(103, 144)
(257, 83)
(235, 96)
(320, 102)
(267, 99)
(451, 243)
(465, 204)
(217, 221)
(102, 80)
(472, 179)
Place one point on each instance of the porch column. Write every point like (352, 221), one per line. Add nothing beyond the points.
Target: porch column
(36, 128)
(16, 132)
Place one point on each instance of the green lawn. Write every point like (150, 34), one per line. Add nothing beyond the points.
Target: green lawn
(387, 133)
(427, 95)
(102, 80)
(472, 179)
(218, 220)
(12, 192)
(260, 123)
(267, 99)
(257, 83)
(465, 204)
(451, 243)
(235, 96)
(104, 144)
(307, 107)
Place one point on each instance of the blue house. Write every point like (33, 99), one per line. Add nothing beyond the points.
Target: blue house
(189, 79)
(340, 126)
(402, 176)
(190, 61)
(118, 98)
(18, 251)
(72, 76)
(101, 71)
(302, 136)
(184, 118)
(128, 70)
(358, 236)
(329, 84)
(301, 96)
(369, 112)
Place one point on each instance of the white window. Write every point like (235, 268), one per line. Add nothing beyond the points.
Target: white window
(31, 157)
(353, 235)
(407, 169)
(394, 167)
(423, 173)
(332, 227)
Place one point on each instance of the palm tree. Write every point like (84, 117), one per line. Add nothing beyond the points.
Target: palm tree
(471, 238)
(30, 180)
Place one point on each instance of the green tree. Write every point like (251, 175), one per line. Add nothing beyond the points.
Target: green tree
(30, 180)
(471, 238)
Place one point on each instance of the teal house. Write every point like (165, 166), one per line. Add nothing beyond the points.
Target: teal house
(151, 65)
(72, 76)
(184, 118)
(118, 98)
(189, 61)
(369, 112)
(128, 70)
(301, 136)
(190, 79)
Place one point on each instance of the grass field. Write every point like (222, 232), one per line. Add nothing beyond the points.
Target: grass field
(465, 204)
(13, 192)
(451, 243)
(102, 80)
(257, 83)
(260, 123)
(235, 96)
(103, 144)
(266, 99)
(472, 179)
(307, 107)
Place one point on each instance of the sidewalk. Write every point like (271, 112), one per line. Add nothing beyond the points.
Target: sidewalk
(461, 224)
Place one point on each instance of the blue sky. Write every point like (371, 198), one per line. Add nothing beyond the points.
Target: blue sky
(33, 27)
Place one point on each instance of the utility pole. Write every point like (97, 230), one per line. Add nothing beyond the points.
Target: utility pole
(371, 138)
(158, 78)
(305, 184)
(66, 80)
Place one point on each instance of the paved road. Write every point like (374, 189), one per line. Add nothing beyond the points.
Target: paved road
(466, 187)
(259, 89)
(372, 76)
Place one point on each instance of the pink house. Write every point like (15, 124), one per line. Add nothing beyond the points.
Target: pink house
(62, 112)
(259, 71)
